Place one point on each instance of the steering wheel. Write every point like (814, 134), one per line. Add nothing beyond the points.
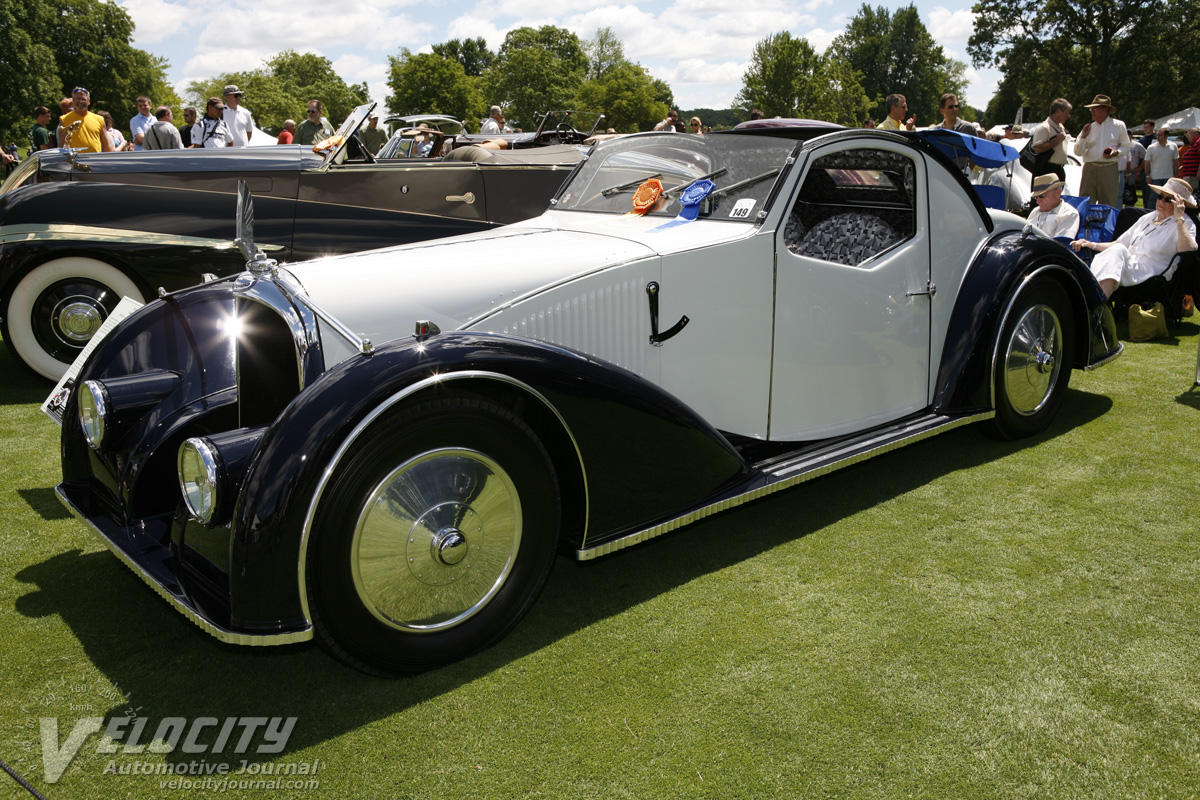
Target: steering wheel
(565, 133)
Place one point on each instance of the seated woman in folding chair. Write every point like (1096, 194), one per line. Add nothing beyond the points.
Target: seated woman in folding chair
(1146, 249)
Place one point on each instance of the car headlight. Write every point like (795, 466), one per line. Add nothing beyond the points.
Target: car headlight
(198, 479)
(93, 412)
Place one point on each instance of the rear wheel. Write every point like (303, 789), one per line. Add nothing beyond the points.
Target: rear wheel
(438, 534)
(56, 309)
(1035, 360)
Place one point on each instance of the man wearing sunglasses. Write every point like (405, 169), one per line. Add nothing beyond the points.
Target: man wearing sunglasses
(314, 128)
(949, 105)
(90, 136)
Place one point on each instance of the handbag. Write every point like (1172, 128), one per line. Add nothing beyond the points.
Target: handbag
(1146, 325)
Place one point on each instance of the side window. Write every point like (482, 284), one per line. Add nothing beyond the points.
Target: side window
(854, 205)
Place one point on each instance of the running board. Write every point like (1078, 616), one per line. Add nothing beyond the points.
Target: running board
(813, 461)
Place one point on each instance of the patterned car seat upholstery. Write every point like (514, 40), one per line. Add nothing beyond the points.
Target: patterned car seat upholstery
(850, 238)
(793, 232)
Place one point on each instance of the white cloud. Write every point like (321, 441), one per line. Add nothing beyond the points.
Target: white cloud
(947, 26)
(813, 5)
(820, 38)
(155, 20)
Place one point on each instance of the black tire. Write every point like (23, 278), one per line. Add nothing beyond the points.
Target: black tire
(434, 537)
(1034, 364)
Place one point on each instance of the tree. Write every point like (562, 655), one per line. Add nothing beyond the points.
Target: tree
(473, 54)
(28, 75)
(894, 54)
(625, 94)
(48, 48)
(283, 88)
(1135, 51)
(787, 78)
(434, 84)
(536, 70)
(605, 53)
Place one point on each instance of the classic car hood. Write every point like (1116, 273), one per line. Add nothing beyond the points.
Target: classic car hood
(458, 282)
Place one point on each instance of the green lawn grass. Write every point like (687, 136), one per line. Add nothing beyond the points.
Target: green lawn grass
(964, 618)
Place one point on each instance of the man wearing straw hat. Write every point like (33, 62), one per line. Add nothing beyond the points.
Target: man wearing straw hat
(1052, 216)
(1147, 248)
(1100, 145)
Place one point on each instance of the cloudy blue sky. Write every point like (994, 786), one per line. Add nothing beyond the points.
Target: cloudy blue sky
(699, 47)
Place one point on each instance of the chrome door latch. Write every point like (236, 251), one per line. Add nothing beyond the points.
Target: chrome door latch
(930, 289)
(657, 338)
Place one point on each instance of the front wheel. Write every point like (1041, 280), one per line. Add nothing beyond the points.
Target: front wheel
(56, 309)
(438, 532)
(1034, 366)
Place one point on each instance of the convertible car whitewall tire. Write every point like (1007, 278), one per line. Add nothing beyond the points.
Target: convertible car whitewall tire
(1034, 364)
(433, 538)
(58, 306)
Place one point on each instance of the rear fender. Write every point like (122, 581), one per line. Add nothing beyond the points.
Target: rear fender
(965, 376)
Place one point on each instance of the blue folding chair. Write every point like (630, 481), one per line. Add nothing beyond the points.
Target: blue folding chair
(1099, 223)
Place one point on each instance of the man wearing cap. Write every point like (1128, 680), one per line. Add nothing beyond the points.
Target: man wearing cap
(211, 130)
(1052, 216)
(373, 137)
(237, 118)
(90, 136)
(1099, 146)
(1147, 248)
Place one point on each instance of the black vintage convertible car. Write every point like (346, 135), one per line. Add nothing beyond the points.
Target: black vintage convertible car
(78, 232)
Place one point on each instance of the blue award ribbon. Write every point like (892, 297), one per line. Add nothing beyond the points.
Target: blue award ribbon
(690, 200)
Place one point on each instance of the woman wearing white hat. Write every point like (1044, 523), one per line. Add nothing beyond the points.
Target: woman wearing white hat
(1146, 249)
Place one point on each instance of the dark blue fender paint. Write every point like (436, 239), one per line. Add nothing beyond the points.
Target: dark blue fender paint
(632, 437)
(965, 374)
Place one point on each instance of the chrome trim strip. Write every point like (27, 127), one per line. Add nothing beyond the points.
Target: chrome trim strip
(295, 292)
(586, 554)
(223, 634)
(297, 316)
(1113, 356)
(22, 233)
(375, 414)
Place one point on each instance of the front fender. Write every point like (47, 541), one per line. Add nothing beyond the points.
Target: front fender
(964, 382)
(641, 455)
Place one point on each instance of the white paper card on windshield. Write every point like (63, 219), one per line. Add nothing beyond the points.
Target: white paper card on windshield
(742, 208)
(56, 403)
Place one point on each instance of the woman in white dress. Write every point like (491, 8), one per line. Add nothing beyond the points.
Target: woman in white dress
(1146, 249)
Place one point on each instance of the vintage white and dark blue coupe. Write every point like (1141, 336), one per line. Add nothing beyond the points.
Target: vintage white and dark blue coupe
(384, 451)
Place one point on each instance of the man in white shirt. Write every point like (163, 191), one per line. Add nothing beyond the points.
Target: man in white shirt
(1052, 216)
(1162, 162)
(1099, 146)
(237, 119)
(1050, 140)
(494, 123)
(668, 124)
(140, 122)
(211, 130)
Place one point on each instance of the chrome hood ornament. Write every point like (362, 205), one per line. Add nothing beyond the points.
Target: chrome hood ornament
(74, 126)
(256, 260)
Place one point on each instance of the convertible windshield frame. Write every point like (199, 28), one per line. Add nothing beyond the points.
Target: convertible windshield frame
(738, 165)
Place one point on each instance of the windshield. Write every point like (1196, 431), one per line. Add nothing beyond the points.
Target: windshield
(730, 176)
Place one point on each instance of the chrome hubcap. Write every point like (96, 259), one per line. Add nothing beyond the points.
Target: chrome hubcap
(78, 319)
(436, 540)
(1033, 361)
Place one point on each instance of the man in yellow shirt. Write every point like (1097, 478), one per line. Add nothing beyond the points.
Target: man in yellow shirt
(90, 136)
(896, 107)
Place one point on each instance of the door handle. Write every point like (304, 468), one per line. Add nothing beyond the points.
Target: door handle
(657, 338)
(467, 198)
